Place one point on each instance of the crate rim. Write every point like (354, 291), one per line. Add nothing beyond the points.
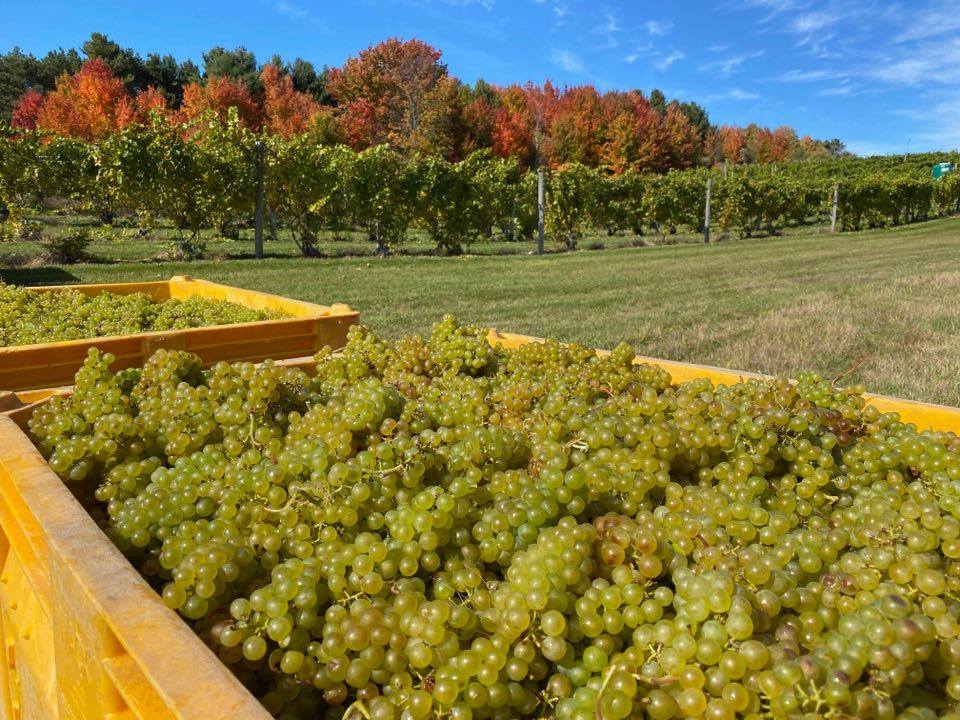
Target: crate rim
(320, 311)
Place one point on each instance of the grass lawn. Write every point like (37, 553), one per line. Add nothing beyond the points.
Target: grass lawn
(882, 305)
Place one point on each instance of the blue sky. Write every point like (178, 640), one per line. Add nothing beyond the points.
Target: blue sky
(883, 77)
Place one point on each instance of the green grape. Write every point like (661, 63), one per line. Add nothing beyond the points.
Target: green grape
(436, 528)
(28, 317)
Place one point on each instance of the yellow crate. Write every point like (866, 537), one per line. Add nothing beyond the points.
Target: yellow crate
(926, 416)
(83, 634)
(307, 329)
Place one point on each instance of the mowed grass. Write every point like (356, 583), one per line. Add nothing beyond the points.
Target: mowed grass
(880, 307)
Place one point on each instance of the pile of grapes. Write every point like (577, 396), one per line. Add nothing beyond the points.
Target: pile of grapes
(437, 529)
(28, 317)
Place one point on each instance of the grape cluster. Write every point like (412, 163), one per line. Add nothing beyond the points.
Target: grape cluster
(434, 529)
(28, 317)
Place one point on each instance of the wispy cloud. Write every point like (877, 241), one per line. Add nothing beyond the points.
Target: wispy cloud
(485, 4)
(641, 50)
(658, 28)
(839, 90)
(725, 67)
(609, 29)
(732, 94)
(811, 22)
(567, 60)
(665, 62)
(292, 10)
(929, 62)
(804, 76)
(776, 5)
(931, 22)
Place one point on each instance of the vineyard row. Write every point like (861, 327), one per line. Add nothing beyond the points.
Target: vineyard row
(210, 180)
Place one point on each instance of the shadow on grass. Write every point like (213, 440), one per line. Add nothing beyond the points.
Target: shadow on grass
(37, 276)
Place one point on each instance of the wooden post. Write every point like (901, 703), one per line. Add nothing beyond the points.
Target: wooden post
(725, 163)
(833, 210)
(258, 217)
(541, 210)
(706, 212)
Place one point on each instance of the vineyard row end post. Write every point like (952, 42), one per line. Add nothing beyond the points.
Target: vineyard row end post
(541, 211)
(258, 218)
(833, 209)
(706, 212)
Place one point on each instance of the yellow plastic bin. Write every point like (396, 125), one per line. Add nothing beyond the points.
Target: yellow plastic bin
(84, 636)
(307, 329)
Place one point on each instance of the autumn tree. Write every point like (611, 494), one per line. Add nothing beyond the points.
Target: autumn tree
(577, 127)
(512, 131)
(732, 142)
(397, 92)
(682, 139)
(634, 135)
(87, 105)
(217, 95)
(27, 110)
(286, 111)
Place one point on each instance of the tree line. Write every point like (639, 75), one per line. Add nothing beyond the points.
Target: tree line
(206, 178)
(397, 92)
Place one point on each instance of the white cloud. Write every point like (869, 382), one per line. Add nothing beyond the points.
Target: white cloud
(839, 90)
(668, 60)
(658, 28)
(567, 61)
(778, 6)
(732, 94)
(919, 25)
(813, 22)
(802, 76)
(289, 9)
(726, 66)
(294, 11)
(932, 62)
(609, 29)
(485, 4)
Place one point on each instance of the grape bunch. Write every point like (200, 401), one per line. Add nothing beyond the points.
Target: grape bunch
(437, 529)
(28, 317)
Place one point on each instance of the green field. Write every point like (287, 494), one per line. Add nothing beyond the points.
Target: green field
(882, 306)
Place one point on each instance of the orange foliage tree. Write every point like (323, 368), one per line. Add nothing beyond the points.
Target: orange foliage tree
(683, 143)
(634, 137)
(732, 142)
(217, 95)
(88, 105)
(397, 92)
(286, 111)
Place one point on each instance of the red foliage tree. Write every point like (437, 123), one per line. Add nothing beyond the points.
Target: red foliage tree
(88, 105)
(358, 122)
(398, 92)
(512, 136)
(147, 102)
(683, 142)
(27, 110)
(476, 126)
(577, 127)
(217, 95)
(732, 143)
(286, 111)
(634, 135)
